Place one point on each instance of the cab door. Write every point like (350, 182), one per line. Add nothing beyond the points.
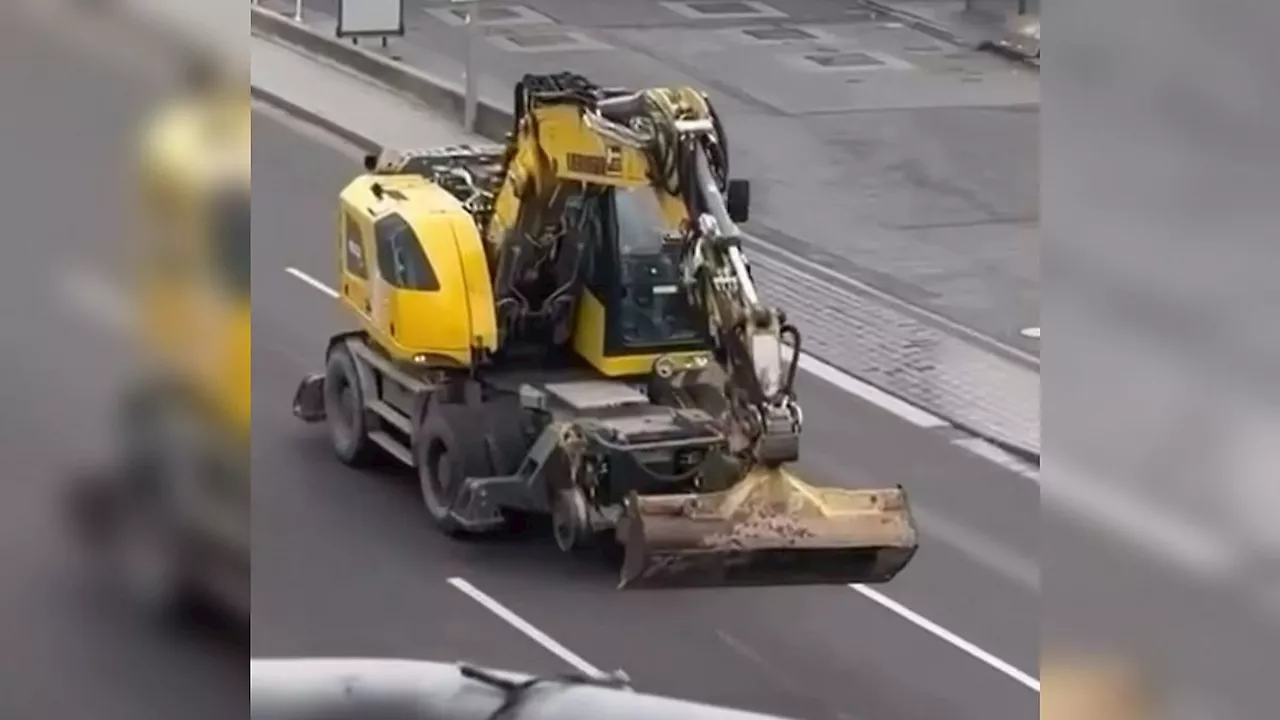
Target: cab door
(353, 237)
(384, 297)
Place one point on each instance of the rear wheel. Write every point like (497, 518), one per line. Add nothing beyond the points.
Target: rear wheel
(344, 404)
(153, 565)
(148, 543)
(451, 446)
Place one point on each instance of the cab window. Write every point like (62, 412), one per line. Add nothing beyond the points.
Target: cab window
(401, 260)
(166, 234)
(653, 307)
(230, 235)
(353, 247)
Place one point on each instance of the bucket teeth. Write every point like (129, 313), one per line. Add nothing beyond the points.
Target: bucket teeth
(771, 528)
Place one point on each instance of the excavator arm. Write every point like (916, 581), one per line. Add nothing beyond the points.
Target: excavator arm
(571, 137)
(748, 335)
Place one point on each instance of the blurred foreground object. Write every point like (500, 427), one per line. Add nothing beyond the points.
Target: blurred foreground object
(329, 689)
(1094, 688)
(170, 518)
(566, 325)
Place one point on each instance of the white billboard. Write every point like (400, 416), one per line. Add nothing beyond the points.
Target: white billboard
(370, 18)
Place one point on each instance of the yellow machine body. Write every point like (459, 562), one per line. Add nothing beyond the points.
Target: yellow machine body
(192, 266)
(439, 254)
(413, 269)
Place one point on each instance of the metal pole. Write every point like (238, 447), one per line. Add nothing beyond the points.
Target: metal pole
(470, 71)
(297, 11)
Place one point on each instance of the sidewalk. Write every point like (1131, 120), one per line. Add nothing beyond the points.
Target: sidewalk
(998, 28)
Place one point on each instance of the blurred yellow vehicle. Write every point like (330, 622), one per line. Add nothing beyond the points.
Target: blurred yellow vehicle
(170, 518)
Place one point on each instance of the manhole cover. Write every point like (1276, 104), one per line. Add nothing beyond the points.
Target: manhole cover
(780, 33)
(487, 14)
(723, 7)
(541, 41)
(844, 60)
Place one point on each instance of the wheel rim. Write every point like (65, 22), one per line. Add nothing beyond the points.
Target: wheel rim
(438, 480)
(340, 399)
(148, 562)
(562, 526)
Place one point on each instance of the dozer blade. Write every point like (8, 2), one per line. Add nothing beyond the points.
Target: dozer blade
(771, 528)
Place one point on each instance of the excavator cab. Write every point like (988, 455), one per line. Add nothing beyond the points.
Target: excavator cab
(634, 306)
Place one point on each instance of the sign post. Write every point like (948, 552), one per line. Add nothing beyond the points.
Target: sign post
(370, 18)
(470, 72)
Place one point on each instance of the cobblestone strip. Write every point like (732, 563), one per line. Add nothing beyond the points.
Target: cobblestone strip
(965, 385)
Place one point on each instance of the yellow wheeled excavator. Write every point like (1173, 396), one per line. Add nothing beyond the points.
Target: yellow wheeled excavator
(169, 518)
(566, 325)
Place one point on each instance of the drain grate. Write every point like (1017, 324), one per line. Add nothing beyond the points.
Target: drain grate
(546, 42)
(504, 16)
(779, 33)
(723, 9)
(844, 60)
(487, 14)
(541, 41)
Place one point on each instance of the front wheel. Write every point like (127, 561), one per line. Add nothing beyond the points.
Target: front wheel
(344, 404)
(153, 567)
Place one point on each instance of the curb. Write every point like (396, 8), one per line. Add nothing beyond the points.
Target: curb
(918, 23)
(941, 32)
(313, 118)
(491, 121)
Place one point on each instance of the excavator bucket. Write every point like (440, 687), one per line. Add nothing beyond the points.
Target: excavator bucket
(771, 528)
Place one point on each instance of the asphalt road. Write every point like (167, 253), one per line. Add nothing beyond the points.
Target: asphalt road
(344, 562)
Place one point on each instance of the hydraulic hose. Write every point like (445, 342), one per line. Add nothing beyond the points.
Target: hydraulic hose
(793, 332)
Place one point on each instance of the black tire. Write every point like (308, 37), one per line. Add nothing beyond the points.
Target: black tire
(153, 566)
(146, 544)
(344, 404)
(451, 445)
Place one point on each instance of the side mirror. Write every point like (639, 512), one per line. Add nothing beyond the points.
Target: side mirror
(738, 199)
(370, 162)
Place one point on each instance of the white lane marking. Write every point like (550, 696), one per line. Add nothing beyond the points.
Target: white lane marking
(312, 282)
(980, 549)
(525, 627)
(1031, 332)
(947, 636)
(1178, 540)
(94, 298)
(872, 394)
(568, 656)
(994, 454)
